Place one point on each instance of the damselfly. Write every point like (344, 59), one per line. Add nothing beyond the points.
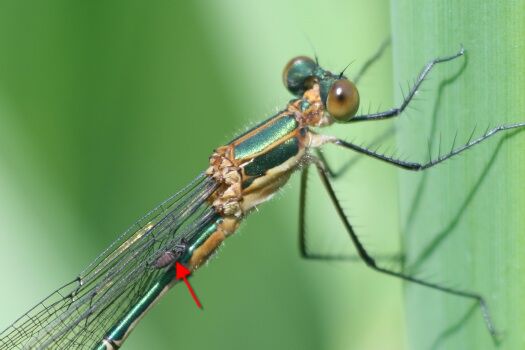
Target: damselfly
(100, 308)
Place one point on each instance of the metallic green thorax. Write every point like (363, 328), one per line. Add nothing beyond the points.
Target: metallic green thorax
(272, 158)
(267, 146)
(268, 133)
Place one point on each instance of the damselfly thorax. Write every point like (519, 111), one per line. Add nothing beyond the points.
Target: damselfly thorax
(255, 165)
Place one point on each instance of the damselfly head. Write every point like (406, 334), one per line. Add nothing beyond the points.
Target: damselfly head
(338, 94)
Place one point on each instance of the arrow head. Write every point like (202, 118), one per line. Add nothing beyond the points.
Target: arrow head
(181, 271)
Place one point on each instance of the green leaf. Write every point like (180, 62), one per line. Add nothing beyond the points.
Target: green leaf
(462, 221)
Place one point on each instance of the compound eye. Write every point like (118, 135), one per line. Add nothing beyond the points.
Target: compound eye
(298, 73)
(342, 101)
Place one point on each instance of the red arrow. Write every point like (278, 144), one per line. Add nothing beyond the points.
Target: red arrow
(181, 272)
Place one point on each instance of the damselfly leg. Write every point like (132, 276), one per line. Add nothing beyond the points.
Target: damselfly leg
(336, 173)
(394, 112)
(417, 166)
(371, 262)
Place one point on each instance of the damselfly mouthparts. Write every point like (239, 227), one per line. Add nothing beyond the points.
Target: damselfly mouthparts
(100, 308)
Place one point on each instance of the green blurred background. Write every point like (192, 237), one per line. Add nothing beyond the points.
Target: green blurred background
(106, 108)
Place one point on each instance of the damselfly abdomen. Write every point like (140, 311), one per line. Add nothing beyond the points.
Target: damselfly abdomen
(100, 308)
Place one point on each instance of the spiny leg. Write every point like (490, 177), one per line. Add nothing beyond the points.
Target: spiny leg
(412, 92)
(415, 166)
(302, 229)
(334, 174)
(303, 249)
(371, 262)
(369, 62)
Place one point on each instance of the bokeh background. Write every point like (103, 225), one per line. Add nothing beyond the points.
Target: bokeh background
(106, 108)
